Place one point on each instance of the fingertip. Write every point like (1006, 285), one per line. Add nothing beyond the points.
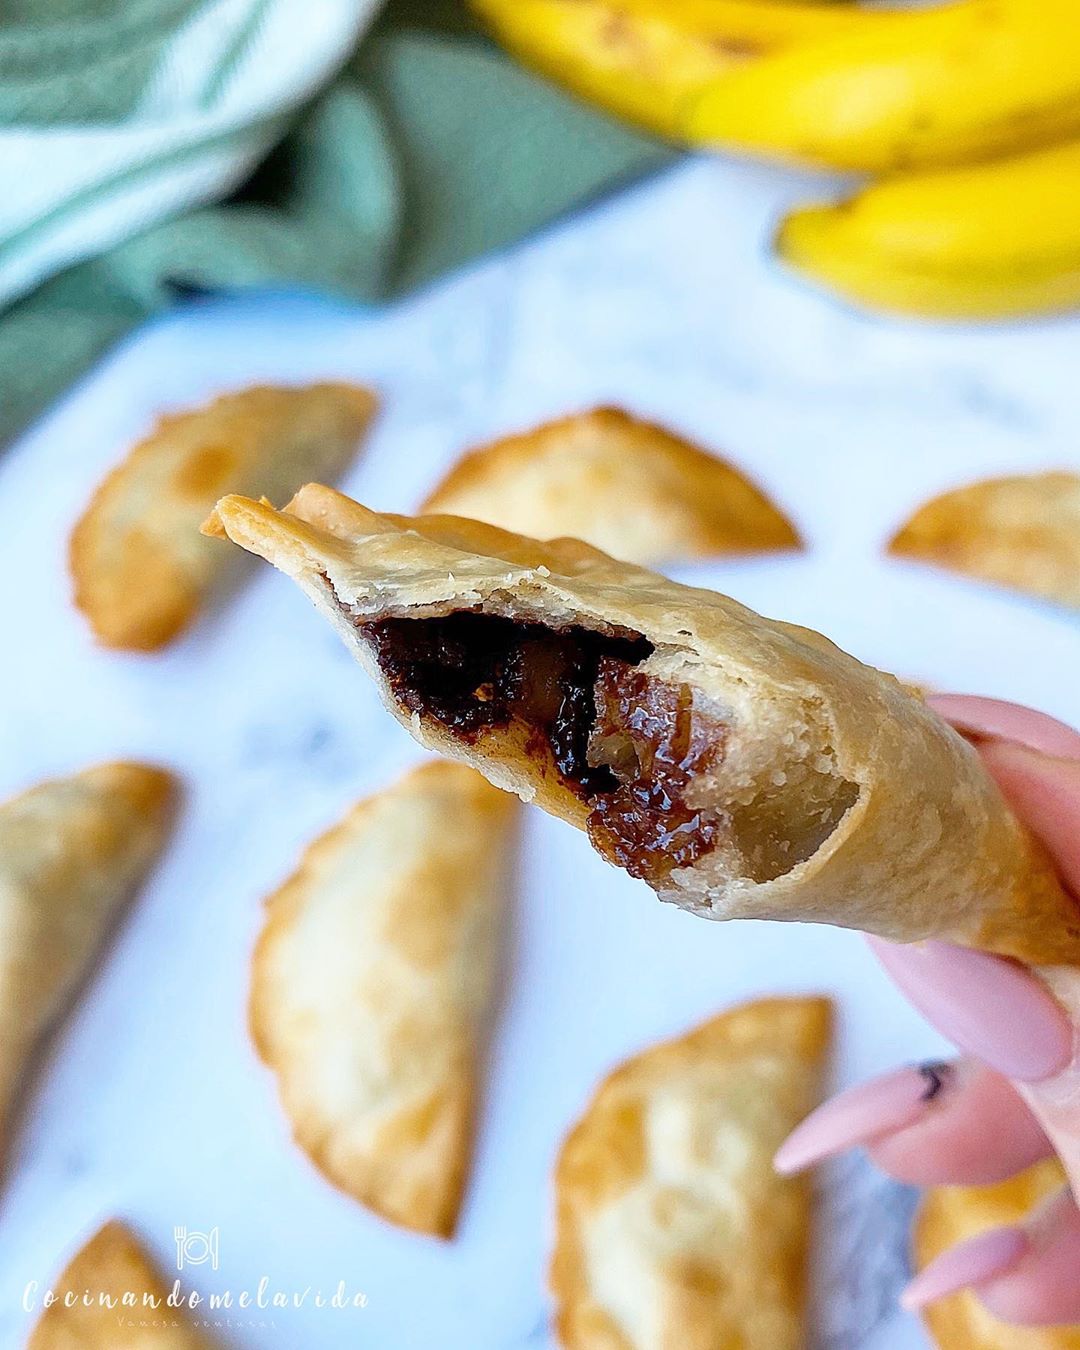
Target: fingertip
(1041, 1288)
(1045, 792)
(974, 1262)
(998, 719)
(1029, 1037)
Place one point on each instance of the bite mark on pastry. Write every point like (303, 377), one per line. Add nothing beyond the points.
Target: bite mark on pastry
(826, 792)
(629, 745)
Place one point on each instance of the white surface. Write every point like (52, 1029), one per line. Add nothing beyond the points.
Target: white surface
(151, 1104)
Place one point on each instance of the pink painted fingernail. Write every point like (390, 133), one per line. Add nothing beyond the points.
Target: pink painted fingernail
(970, 1264)
(991, 1008)
(861, 1114)
(998, 720)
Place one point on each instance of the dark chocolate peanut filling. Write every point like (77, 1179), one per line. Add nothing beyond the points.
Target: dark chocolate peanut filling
(624, 742)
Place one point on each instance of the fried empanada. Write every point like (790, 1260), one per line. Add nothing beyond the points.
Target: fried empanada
(140, 567)
(110, 1266)
(745, 768)
(72, 850)
(372, 986)
(673, 1229)
(950, 1214)
(1022, 532)
(627, 486)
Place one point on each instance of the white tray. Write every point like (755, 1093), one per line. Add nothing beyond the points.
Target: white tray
(151, 1104)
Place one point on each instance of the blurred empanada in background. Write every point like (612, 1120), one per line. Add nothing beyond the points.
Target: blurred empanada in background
(114, 1263)
(673, 1229)
(72, 850)
(140, 567)
(629, 487)
(1022, 532)
(951, 1214)
(373, 984)
(742, 766)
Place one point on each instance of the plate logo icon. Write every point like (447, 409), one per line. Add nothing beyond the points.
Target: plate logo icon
(194, 1248)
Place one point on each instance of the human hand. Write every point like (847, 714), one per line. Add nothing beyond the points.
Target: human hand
(1013, 1097)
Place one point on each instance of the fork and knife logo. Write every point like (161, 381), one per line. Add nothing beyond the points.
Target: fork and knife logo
(194, 1248)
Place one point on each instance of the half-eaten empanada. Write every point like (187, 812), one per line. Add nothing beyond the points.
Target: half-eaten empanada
(372, 988)
(627, 486)
(673, 1229)
(113, 1267)
(743, 767)
(139, 565)
(72, 850)
(1022, 532)
(949, 1215)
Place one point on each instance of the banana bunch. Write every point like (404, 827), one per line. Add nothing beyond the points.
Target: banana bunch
(970, 111)
(988, 241)
(651, 61)
(970, 81)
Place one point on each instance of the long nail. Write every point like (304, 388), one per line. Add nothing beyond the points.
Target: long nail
(991, 1008)
(997, 720)
(970, 1264)
(862, 1114)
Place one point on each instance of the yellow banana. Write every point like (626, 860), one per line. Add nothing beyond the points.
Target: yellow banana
(648, 61)
(964, 83)
(988, 241)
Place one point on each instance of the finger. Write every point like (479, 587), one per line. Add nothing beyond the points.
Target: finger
(975, 1131)
(928, 1124)
(1042, 1288)
(1001, 1014)
(1045, 793)
(1036, 761)
(994, 719)
(1024, 1275)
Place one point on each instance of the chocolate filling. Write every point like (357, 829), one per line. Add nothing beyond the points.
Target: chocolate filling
(624, 742)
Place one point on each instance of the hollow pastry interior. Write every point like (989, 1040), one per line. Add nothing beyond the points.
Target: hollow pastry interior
(647, 758)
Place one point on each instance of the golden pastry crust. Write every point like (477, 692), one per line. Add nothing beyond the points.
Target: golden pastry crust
(838, 797)
(372, 985)
(72, 850)
(950, 1214)
(1022, 532)
(673, 1230)
(627, 486)
(113, 1263)
(140, 568)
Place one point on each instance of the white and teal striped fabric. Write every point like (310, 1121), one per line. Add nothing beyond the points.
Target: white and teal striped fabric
(118, 115)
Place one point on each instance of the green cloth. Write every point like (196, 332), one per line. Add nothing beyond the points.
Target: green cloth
(429, 148)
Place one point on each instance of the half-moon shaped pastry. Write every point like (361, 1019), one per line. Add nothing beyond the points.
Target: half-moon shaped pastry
(627, 486)
(950, 1214)
(113, 1264)
(372, 987)
(1022, 532)
(140, 568)
(72, 850)
(743, 767)
(673, 1229)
